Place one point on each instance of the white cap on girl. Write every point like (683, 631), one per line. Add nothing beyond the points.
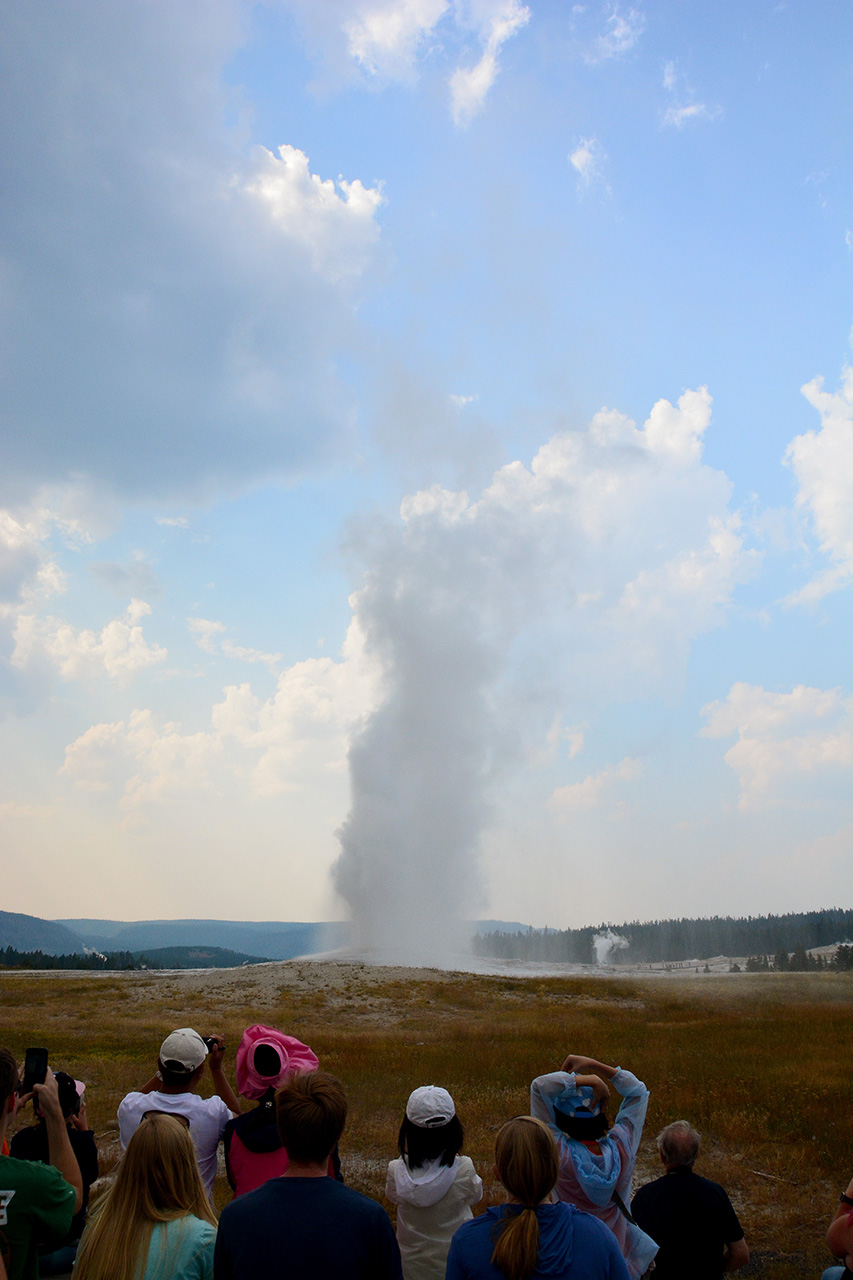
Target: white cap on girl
(430, 1106)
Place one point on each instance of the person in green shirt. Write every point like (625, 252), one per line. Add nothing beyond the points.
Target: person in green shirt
(37, 1202)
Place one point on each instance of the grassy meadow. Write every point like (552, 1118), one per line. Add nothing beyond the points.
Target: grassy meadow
(760, 1064)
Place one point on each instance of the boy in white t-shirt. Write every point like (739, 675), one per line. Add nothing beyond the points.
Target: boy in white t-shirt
(173, 1090)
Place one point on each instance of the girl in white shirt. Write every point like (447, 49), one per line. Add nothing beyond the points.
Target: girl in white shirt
(431, 1184)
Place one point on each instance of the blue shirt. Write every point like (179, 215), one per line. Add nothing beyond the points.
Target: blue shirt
(572, 1246)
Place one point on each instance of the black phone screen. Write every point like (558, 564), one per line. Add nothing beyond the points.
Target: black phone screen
(35, 1069)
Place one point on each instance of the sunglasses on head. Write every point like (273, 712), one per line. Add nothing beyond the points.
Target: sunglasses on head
(173, 1115)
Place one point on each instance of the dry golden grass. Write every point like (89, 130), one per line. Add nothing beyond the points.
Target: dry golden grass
(759, 1063)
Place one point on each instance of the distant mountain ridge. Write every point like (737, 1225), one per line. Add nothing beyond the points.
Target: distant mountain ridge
(659, 940)
(31, 933)
(276, 939)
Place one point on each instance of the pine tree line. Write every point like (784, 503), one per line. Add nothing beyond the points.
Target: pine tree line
(799, 961)
(12, 959)
(661, 941)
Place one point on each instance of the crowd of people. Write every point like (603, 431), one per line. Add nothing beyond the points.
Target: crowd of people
(566, 1168)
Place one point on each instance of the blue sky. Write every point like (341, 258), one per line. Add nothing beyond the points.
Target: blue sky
(428, 460)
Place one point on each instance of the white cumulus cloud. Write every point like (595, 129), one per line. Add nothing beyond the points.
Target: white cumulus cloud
(784, 739)
(594, 788)
(684, 106)
(587, 160)
(119, 649)
(393, 40)
(206, 632)
(203, 631)
(620, 34)
(283, 743)
(385, 38)
(177, 329)
(470, 85)
(822, 462)
(335, 223)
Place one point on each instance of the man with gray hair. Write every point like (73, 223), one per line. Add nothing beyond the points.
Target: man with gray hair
(691, 1218)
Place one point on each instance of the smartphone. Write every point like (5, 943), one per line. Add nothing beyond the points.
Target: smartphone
(35, 1069)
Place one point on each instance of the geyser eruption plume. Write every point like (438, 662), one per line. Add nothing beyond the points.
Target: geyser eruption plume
(607, 945)
(418, 767)
(590, 570)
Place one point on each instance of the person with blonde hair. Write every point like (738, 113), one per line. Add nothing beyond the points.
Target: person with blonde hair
(532, 1235)
(155, 1222)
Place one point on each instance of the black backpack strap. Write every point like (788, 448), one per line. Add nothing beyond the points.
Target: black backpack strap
(622, 1207)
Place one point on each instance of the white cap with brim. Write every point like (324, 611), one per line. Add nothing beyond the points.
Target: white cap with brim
(183, 1050)
(430, 1106)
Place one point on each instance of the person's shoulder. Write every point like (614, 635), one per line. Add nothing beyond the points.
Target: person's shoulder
(202, 1232)
(135, 1099)
(34, 1177)
(648, 1190)
(710, 1188)
(466, 1173)
(587, 1227)
(481, 1225)
(554, 1079)
(214, 1105)
(27, 1143)
(357, 1200)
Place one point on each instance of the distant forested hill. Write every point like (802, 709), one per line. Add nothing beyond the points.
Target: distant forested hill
(277, 940)
(30, 933)
(195, 958)
(671, 940)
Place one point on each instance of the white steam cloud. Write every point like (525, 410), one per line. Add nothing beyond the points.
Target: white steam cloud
(618, 538)
(607, 946)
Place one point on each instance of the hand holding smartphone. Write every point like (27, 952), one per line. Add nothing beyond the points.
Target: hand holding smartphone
(35, 1070)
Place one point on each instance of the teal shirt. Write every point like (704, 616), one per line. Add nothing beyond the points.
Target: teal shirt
(181, 1250)
(36, 1207)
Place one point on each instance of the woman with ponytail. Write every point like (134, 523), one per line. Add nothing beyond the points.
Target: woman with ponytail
(531, 1236)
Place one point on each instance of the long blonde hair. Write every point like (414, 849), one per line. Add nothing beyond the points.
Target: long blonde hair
(157, 1181)
(528, 1166)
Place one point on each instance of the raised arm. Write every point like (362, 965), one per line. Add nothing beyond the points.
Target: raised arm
(220, 1080)
(59, 1147)
(576, 1062)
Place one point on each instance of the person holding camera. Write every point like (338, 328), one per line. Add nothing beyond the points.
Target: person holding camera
(597, 1157)
(33, 1143)
(37, 1202)
(173, 1090)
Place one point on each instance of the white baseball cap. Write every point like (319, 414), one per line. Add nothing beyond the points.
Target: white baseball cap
(430, 1106)
(184, 1047)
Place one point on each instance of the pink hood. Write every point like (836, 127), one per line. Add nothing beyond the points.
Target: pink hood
(294, 1055)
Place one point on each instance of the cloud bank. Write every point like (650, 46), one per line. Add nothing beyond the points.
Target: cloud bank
(173, 304)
